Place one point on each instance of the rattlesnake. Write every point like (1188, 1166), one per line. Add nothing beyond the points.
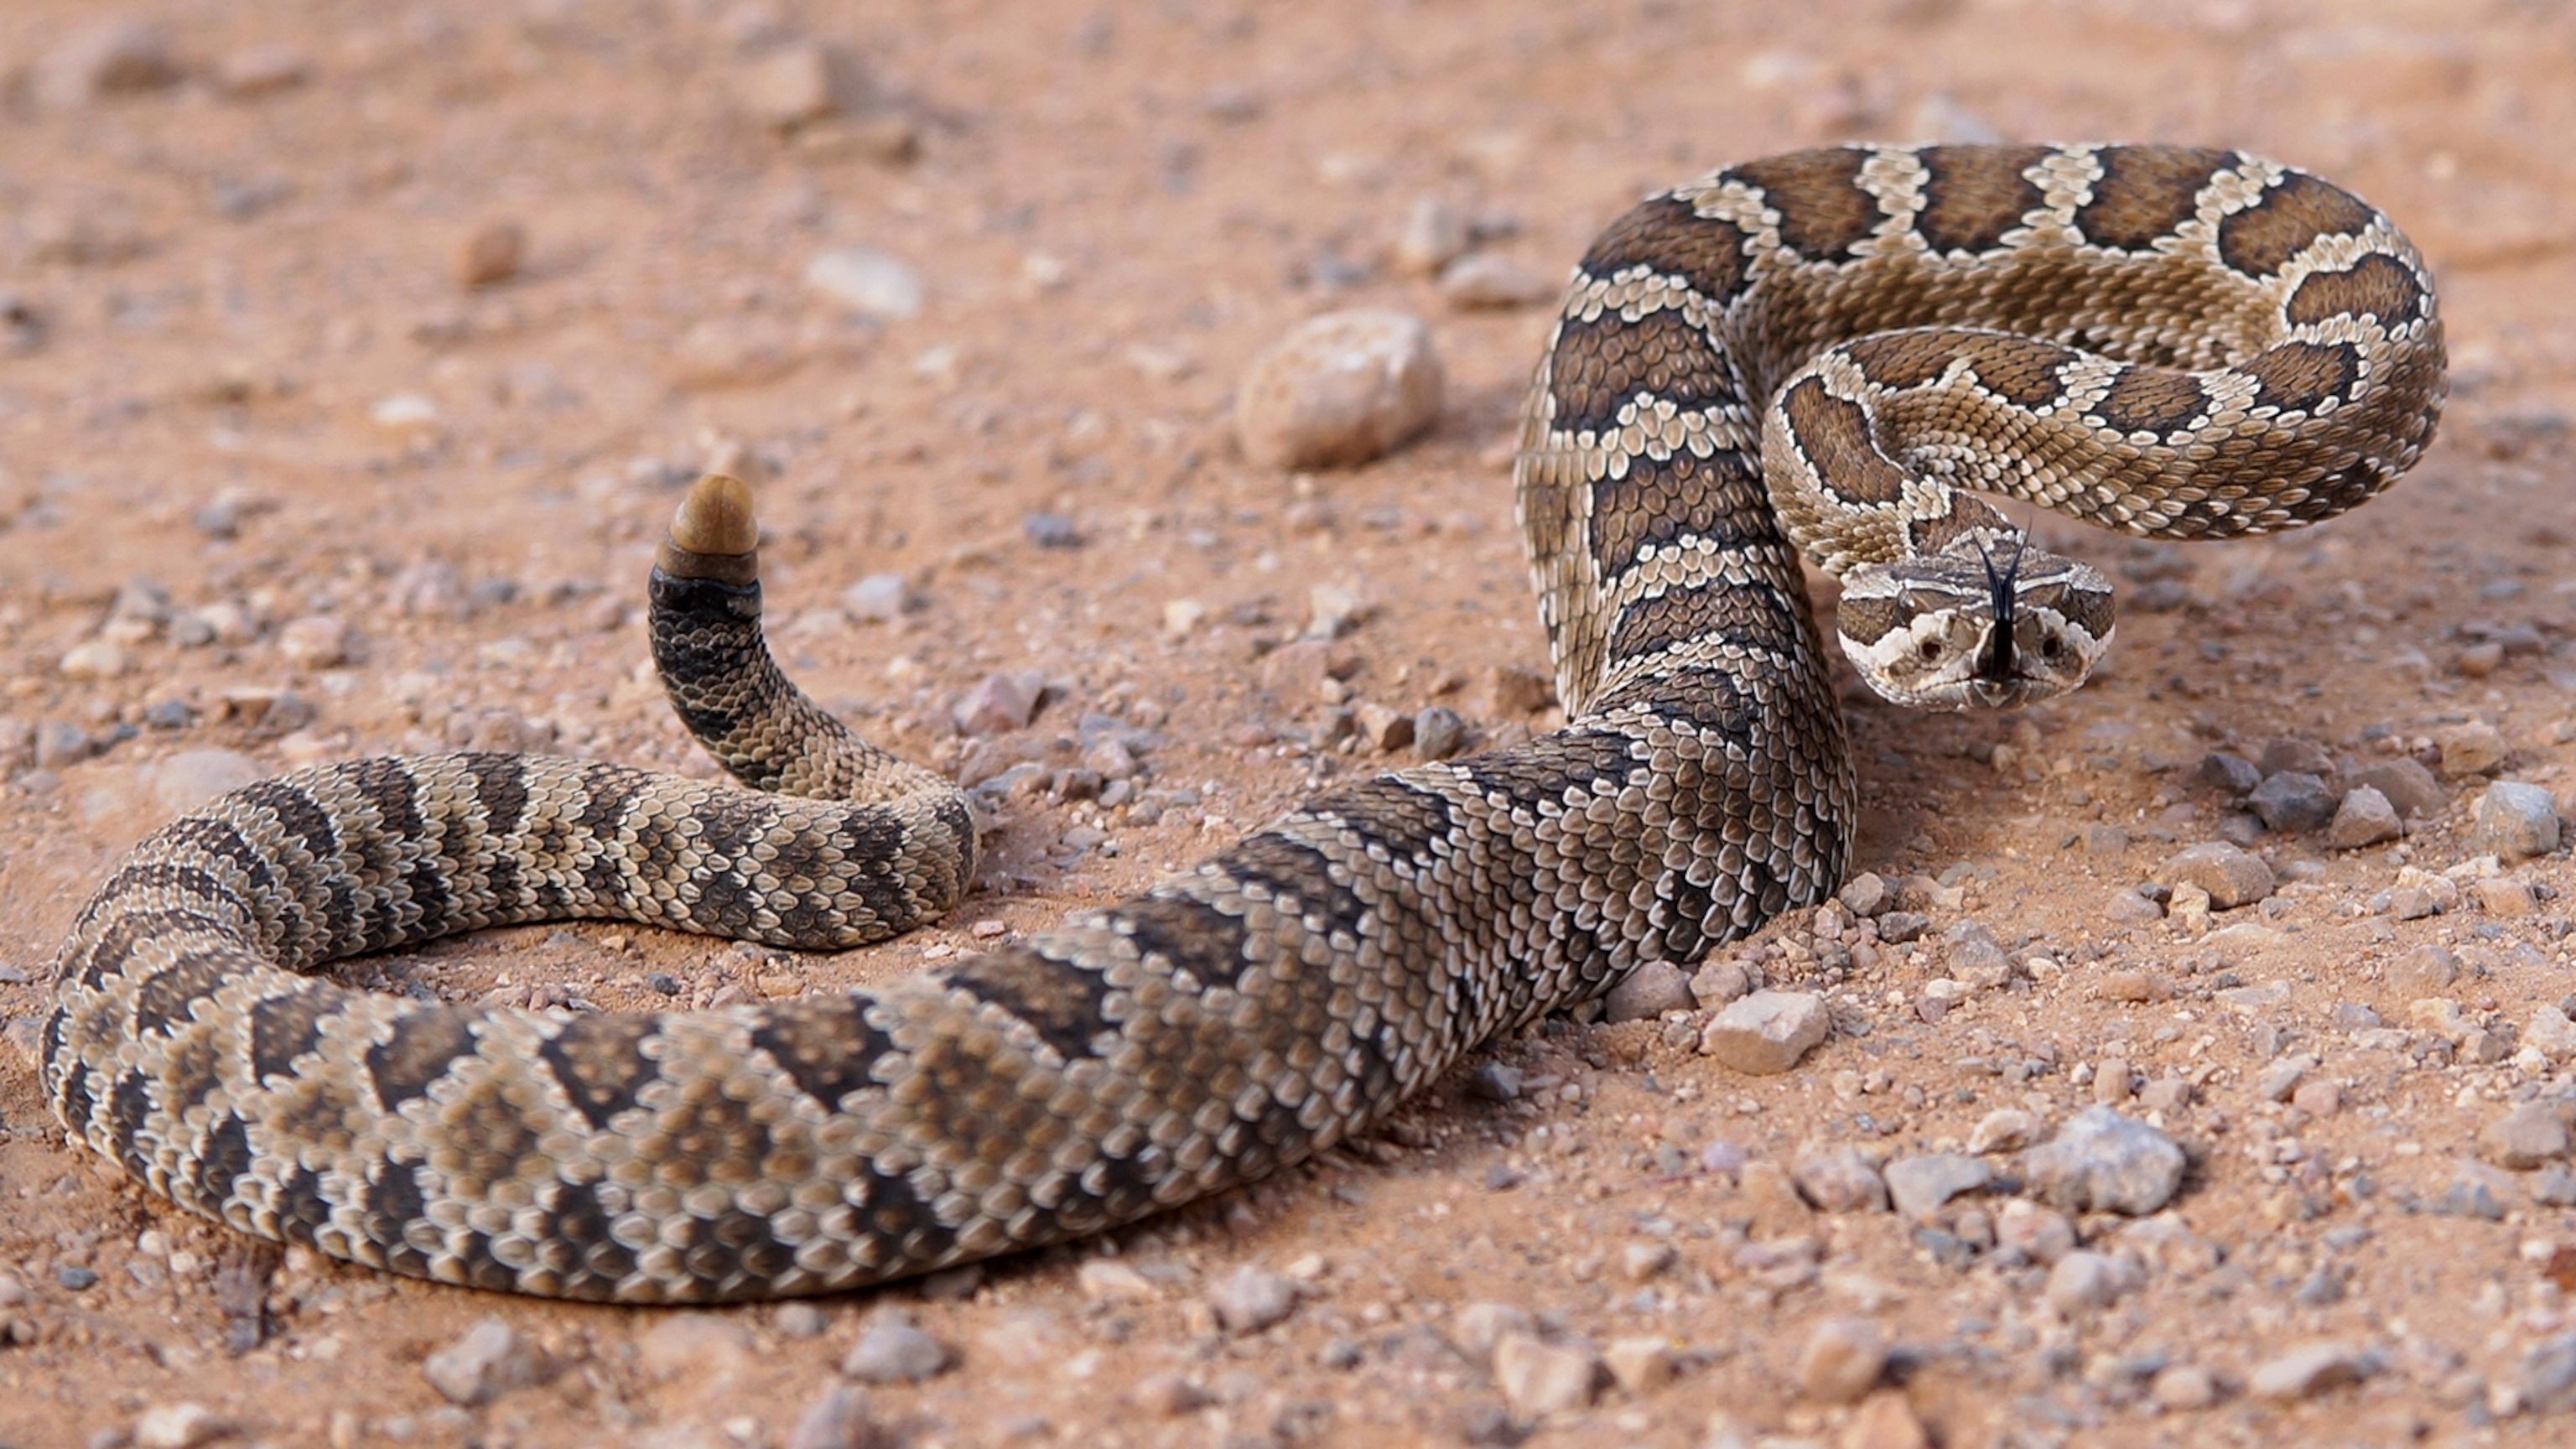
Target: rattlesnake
(2182, 343)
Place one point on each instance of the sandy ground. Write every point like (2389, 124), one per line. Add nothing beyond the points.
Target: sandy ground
(376, 508)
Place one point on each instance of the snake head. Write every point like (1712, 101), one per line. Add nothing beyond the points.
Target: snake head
(1987, 622)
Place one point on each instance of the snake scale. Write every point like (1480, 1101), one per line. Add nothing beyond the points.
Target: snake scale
(2171, 342)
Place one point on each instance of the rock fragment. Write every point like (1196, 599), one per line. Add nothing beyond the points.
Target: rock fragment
(2230, 876)
(1485, 282)
(2083, 1281)
(2407, 784)
(2514, 821)
(1339, 390)
(1438, 733)
(2471, 749)
(2292, 802)
(893, 1351)
(1842, 1360)
(1839, 1180)
(1921, 1186)
(2307, 1372)
(488, 1360)
(492, 254)
(868, 281)
(803, 82)
(837, 1419)
(2364, 817)
(1649, 991)
(1765, 1033)
(2524, 1138)
(1251, 1298)
(1001, 703)
(2101, 1161)
(1539, 1378)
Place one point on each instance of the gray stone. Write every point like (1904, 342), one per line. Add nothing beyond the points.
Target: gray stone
(2365, 817)
(2293, 802)
(2183, 1388)
(2101, 1161)
(2035, 1233)
(1435, 234)
(1842, 1360)
(2422, 972)
(1438, 733)
(1649, 991)
(2081, 1281)
(2006, 1129)
(1251, 1299)
(799, 1319)
(2230, 876)
(1339, 390)
(1839, 1180)
(2290, 753)
(1898, 927)
(1921, 1186)
(1719, 982)
(1539, 1378)
(2127, 907)
(838, 1419)
(1479, 1327)
(868, 281)
(893, 1351)
(2471, 749)
(2233, 775)
(182, 1425)
(1765, 1033)
(2514, 821)
(2547, 1378)
(2307, 1372)
(2524, 1138)
(1483, 281)
(489, 1360)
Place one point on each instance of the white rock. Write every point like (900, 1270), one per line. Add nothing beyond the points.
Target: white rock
(1842, 1360)
(1339, 390)
(1765, 1033)
(2307, 1372)
(2083, 1281)
(2101, 1161)
(1251, 1298)
(876, 598)
(316, 641)
(1641, 1365)
(1483, 281)
(893, 1351)
(489, 1360)
(1649, 991)
(178, 1426)
(95, 659)
(803, 82)
(684, 1345)
(1539, 1378)
(1107, 1280)
(2551, 1033)
(404, 412)
(867, 281)
(1479, 1326)
(837, 1420)
(260, 70)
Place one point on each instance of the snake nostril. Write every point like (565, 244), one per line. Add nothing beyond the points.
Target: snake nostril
(1930, 649)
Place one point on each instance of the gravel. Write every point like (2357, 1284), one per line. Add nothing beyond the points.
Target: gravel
(1340, 390)
(1765, 1033)
(2101, 1161)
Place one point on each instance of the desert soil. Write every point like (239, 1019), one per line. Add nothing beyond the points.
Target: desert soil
(293, 469)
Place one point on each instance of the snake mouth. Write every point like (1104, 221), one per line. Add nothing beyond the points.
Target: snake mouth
(1994, 682)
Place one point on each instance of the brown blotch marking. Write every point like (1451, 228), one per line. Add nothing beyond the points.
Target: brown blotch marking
(598, 1059)
(481, 1139)
(1823, 211)
(1834, 435)
(2375, 286)
(1668, 238)
(1904, 359)
(1600, 366)
(1867, 620)
(2153, 400)
(2297, 376)
(1724, 610)
(707, 1138)
(828, 1046)
(1662, 501)
(283, 1028)
(423, 1045)
(2294, 213)
(2021, 370)
(1059, 1000)
(2145, 192)
(1932, 533)
(1972, 195)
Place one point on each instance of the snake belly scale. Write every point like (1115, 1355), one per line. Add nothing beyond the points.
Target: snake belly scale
(2172, 342)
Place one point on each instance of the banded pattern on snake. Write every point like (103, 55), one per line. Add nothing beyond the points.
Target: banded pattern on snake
(2173, 342)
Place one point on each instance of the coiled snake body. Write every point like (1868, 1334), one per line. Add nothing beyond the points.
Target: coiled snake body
(2173, 342)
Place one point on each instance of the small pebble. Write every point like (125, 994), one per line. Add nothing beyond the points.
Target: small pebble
(797, 1319)
(1839, 1180)
(1765, 1033)
(893, 1351)
(2307, 1372)
(1921, 1186)
(76, 1278)
(1866, 894)
(261, 70)
(876, 599)
(2101, 1161)
(1438, 733)
(2230, 876)
(1478, 1327)
(802, 82)
(2470, 750)
(1107, 1280)
(2292, 802)
(1251, 1298)
(1434, 234)
(2546, 1379)
(1539, 1378)
(493, 254)
(317, 641)
(2233, 775)
(178, 1426)
(1482, 281)
(2524, 1138)
(2183, 1388)
(2083, 1281)
(1339, 390)
(1649, 991)
(2038, 1234)
(1639, 1365)
(488, 1360)
(1000, 704)
(869, 282)
(678, 1345)
(2006, 1129)
(1842, 1360)
(1719, 982)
